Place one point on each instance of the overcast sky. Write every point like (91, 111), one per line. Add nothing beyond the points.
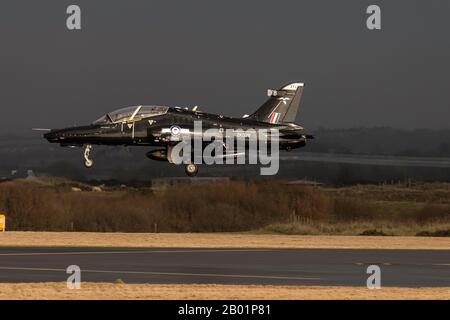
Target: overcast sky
(222, 56)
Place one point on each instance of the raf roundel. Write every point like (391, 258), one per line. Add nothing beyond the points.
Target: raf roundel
(175, 130)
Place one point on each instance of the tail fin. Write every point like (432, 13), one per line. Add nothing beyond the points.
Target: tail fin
(282, 105)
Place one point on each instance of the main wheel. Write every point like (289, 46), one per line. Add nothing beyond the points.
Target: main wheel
(88, 163)
(191, 169)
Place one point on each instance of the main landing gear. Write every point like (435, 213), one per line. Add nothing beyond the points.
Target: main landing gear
(88, 162)
(191, 169)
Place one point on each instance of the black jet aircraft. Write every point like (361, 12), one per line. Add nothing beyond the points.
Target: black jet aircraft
(153, 126)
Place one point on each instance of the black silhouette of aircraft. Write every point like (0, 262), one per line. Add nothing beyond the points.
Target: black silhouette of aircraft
(157, 126)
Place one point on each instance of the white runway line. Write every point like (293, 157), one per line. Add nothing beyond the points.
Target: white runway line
(168, 274)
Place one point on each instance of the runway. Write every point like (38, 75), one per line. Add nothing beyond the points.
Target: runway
(322, 267)
(374, 160)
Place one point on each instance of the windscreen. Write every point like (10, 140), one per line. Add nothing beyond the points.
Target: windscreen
(102, 120)
(122, 114)
(135, 112)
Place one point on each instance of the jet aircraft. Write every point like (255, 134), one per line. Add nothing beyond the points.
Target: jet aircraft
(156, 126)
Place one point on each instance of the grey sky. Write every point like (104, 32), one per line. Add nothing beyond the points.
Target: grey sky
(222, 56)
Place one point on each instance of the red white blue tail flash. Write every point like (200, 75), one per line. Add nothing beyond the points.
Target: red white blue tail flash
(274, 117)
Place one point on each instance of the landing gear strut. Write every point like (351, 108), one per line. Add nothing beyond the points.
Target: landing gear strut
(191, 169)
(88, 162)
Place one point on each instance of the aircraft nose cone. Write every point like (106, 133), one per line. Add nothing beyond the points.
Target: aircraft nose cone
(52, 136)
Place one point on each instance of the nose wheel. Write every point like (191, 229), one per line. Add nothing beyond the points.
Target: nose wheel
(191, 169)
(88, 162)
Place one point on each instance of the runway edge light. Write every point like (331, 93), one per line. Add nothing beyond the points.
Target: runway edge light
(2, 223)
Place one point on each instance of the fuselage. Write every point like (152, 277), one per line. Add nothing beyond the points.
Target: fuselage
(153, 130)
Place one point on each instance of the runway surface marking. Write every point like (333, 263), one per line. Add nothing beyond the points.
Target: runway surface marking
(168, 273)
(401, 264)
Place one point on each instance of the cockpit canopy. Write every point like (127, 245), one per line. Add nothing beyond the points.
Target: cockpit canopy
(131, 113)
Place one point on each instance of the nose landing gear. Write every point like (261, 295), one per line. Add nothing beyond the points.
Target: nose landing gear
(88, 162)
